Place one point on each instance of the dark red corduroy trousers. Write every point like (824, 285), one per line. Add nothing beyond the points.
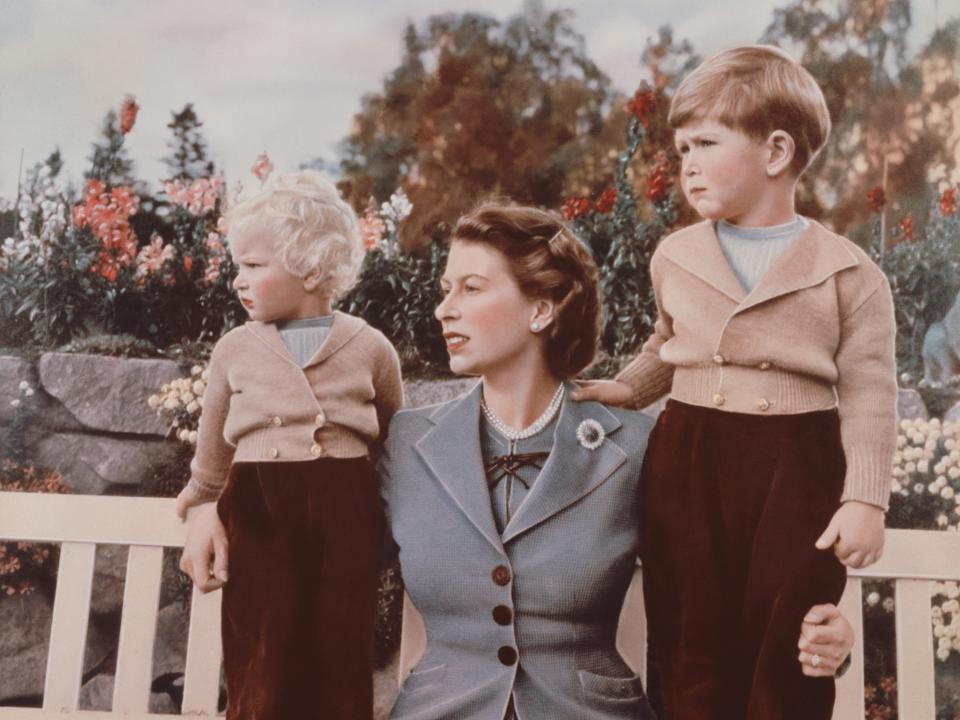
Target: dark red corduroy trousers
(299, 608)
(733, 504)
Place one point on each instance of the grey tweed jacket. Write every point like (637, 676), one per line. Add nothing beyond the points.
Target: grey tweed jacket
(534, 612)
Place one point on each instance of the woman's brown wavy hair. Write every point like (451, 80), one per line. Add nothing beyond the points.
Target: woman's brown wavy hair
(547, 261)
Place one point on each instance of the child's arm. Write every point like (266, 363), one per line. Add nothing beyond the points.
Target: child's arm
(867, 395)
(211, 462)
(387, 386)
(646, 378)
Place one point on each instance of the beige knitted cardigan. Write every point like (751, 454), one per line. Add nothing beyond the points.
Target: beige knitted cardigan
(260, 406)
(816, 332)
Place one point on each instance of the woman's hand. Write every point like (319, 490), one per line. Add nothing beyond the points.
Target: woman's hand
(204, 556)
(826, 635)
(609, 392)
(856, 534)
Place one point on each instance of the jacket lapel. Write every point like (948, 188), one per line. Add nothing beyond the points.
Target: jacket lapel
(452, 452)
(813, 256)
(342, 330)
(572, 470)
(697, 250)
(268, 334)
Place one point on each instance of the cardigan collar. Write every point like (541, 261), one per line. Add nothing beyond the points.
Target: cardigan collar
(342, 330)
(813, 256)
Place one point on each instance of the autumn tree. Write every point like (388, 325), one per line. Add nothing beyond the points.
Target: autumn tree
(480, 107)
(881, 102)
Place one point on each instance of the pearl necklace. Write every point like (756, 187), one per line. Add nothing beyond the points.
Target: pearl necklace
(539, 424)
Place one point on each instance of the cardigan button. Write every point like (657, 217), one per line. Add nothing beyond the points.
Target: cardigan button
(718, 399)
(321, 419)
(273, 452)
(501, 575)
(276, 421)
(502, 615)
(316, 450)
(763, 404)
(764, 365)
(719, 359)
(507, 655)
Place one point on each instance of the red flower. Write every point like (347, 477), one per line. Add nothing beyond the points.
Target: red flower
(907, 228)
(128, 114)
(642, 104)
(188, 262)
(575, 207)
(107, 213)
(606, 200)
(660, 180)
(876, 199)
(948, 202)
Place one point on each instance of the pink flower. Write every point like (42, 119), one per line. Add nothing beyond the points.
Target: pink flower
(262, 167)
(372, 228)
(128, 114)
(197, 198)
(152, 257)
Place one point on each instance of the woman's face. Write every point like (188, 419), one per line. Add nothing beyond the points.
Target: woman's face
(486, 318)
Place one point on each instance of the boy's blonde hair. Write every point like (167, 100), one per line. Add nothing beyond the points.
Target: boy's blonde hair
(757, 89)
(313, 228)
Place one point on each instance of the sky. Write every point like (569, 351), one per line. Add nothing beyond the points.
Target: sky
(284, 77)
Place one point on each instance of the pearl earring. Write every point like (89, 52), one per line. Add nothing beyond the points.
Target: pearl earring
(535, 327)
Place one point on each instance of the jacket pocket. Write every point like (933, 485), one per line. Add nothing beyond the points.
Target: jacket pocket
(625, 689)
(425, 678)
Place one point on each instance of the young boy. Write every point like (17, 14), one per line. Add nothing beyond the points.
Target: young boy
(297, 400)
(775, 340)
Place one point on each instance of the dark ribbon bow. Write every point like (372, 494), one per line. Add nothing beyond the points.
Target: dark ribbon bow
(506, 466)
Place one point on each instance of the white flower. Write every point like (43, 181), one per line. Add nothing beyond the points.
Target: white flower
(943, 655)
(28, 392)
(154, 401)
(918, 488)
(15, 403)
(198, 387)
(193, 406)
(888, 604)
(873, 598)
(947, 493)
(590, 434)
(196, 370)
(923, 466)
(24, 385)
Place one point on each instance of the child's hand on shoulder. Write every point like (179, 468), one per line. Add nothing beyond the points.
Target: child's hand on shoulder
(856, 534)
(610, 392)
(187, 499)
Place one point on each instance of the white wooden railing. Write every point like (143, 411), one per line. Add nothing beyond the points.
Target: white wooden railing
(913, 558)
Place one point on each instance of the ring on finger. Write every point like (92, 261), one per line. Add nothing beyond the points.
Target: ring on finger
(815, 660)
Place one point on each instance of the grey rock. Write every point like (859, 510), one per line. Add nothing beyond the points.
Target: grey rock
(91, 463)
(97, 693)
(110, 570)
(910, 406)
(106, 393)
(428, 392)
(953, 414)
(24, 636)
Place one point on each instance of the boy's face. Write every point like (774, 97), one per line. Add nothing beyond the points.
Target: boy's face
(266, 289)
(723, 171)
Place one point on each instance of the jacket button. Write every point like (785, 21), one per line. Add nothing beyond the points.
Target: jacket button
(321, 419)
(764, 365)
(719, 359)
(273, 452)
(507, 655)
(502, 615)
(276, 421)
(719, 399)
(316, 450)
(763, 404)
(501, 574)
